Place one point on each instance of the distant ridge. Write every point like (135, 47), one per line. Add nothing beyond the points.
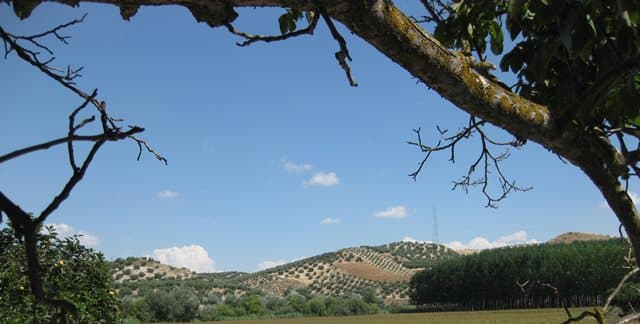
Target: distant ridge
(385, 268)
(570, 237)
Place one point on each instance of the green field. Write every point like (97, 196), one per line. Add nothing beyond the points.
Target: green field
(554, 315)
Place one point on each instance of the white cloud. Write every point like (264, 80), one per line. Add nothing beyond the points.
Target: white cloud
(168, 194)
(293, 167)
(519, 236)
(410, 239)
(481, 243)
(88, 239)
(193, 257)
(270, 264)
(634, 197)
(323, 179)
(65, 230)
(392, 212)
(330, 221)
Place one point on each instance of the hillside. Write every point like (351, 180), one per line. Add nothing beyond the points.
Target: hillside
(386, 269)
(570, 237)
(131, 269)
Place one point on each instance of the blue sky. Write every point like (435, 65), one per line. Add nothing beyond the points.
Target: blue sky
(272, 156)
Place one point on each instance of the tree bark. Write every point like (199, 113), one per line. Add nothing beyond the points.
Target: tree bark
(452, 75)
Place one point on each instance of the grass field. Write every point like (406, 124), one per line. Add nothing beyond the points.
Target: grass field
(508, 316)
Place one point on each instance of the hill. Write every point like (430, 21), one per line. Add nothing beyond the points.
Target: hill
(385, 269)
(570, 237)
(131, 269)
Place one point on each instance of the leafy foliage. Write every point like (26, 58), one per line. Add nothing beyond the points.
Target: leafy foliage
(287, 21)
(580, 57)
(70, 271)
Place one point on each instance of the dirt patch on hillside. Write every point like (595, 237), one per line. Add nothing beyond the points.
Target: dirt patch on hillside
(368, 271)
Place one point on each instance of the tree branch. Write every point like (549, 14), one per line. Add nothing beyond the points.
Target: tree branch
(486, 157)
(250, 39)
(619, 287)
(343, 53)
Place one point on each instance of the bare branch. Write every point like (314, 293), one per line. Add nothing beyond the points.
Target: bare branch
(595, 314)
(73, 128)
(142, 143)
(486, 157)
(343, 53)
(63, 140)
(619, 287)
(250, 39)
(630, 318)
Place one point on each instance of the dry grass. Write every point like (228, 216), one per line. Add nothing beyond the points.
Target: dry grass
(508, 316)
(370, 272)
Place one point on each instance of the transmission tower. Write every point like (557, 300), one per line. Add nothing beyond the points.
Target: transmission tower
(436, 240)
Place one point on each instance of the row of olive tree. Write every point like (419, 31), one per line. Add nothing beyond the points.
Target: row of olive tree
(184, 303)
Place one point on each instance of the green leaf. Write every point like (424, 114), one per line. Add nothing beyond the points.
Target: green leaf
(497, 38)
(456, 5)
(470, 29)
(309, 15)
(592, 25)
(24, 8)
(626, 18)
(634, 121)
(292, 24)
(283, 23)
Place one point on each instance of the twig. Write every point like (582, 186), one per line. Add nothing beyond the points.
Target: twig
(250, 39)
(343, 53)
(619, 287)
(142, 143)
(73, 128)
(629, 318)
(486, 157)
(597, 316)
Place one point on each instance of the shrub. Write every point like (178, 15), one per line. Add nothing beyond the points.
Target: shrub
(69, 271)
